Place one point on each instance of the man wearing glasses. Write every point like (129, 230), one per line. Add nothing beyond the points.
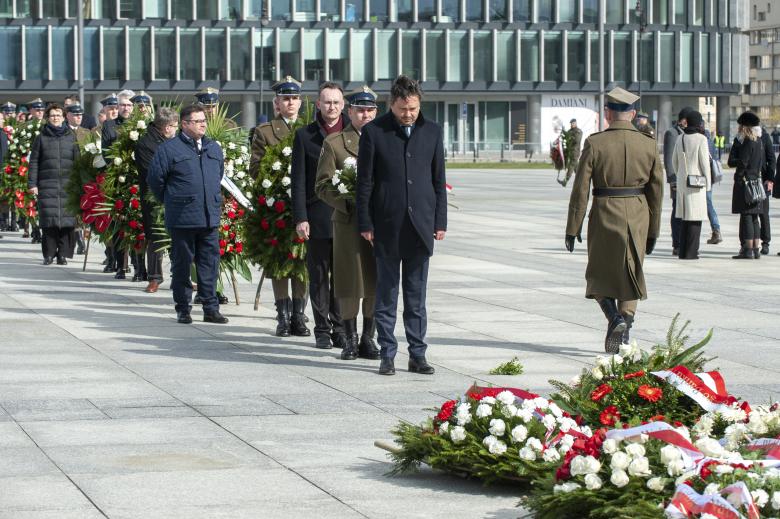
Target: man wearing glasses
(185, 175)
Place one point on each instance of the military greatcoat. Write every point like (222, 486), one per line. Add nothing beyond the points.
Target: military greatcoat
(618, 227)
(266, 134)
(354, 266)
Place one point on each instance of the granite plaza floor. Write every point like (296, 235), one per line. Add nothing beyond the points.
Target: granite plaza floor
(109, 408)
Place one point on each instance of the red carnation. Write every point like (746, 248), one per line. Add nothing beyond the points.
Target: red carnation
(600, 392)
(232, 236)
(705, 471)
(222, 244)
(226, 227)
(9, 169)
(279, 206)
(119, 205)
(133, 190)
(635, 374)
(280, 224)
(134, 203)
(100, 179)
(241, 212)
(650, 393)
(23, 160)
(141, 236)
(264, 224)
(221, 252)
(231, 215)
(239, 247)
(609, 415)
(230, 248)
(446, 410)
(133, 224)
(261, 200)
(22, 170)
(274, 242)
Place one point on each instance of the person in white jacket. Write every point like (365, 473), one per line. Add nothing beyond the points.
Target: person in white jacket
(691, 159)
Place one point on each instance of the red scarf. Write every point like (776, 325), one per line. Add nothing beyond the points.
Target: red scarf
(330, 129)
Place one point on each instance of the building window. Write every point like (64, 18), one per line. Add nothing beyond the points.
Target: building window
(11, 41)
(553, 57)
(686, 57)
(155, 8)
(410, 55)
(567, 11)
(265, 63)
(450, 11)
(434, 56)
(354, 11)
(304, 11)
(723, 13)
(36, 52)
(129, 9)
(498, 11)
(330, 10)
(667, 57)
(52, 9)
(338, 55)
(404, 10)
(313, 55)
(505, 56)
(181, 10)
(621, 53)
(140, 43)
(494, 124)
(475, 10)
(254, 9)
(361, 56)
(698, 12)
(646, 58)
(529, 56)
(91, 53)
(281, 9)
(426, 10)
(387, 49)
(590, 11)
(289, 53)
(616, 14)
(378, 11)
(113, 53)
(681, 12)
(6, 9)
(240, 54)
(576, 57)
(189, 54)
(521, 10)
(595, 62)
(544, 11)
(459, 56)
(705, 58)
(661, 12)
(483, 56)
(164, 54)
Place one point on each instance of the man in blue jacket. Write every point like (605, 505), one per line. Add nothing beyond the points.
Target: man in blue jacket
(402, 207)
(185, 175)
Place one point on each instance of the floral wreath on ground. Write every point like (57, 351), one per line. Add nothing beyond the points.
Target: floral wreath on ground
(14, 188)
(667, 442)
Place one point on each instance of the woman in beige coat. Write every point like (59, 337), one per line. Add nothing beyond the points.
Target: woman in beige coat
(691, 159)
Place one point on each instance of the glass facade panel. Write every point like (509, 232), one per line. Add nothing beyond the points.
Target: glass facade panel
(680, 12)
(11, 42)
(715, 70)
(723, 13)
(622, 62)
(289, 54)
(686, 57)
(459, 56)
(6, 9)
(698, 12)
(404, 10)
(129, 9)
(387, 48)
(544, 11)
(313, 55)
(265, 67)
(483, 56)
(434, 56)
(91, 53)
(240, 54)
(529, 56)
(521, 10)
(140, 43)
(590, 11)
(164, 54)
(378, 11)
(113, 53)
(505, 55)
(494, 124)
(576, 57)
(53, 9)
(661, 12)
(410, 54)
(595, 63)
(667, 57)
(62, 53)
(498, 11)
(475, 10)
(182, 9)
(705, 58)
(567, 11)
(553, 56)
(330, 10)
(450, 11)
(338, 55)
(426, 9)
(646, 58)
(254, 9)
(361, 56)
(304, 11)
(281, 9)
(156, 8)
(354, 11)
(616, 13)
(189, 55)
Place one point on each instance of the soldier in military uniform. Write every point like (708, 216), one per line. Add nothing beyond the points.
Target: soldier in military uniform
(208, 98)
(289, 313)
(37, 108)
(354, 266)
(73, 114)
(9, 111)
(627, 176)
(642, 124)
(573, 139)
(143, 102)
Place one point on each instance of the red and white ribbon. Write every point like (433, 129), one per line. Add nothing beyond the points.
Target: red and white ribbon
(707, 389)
(770, 445)
(686, 502)
(660, 431)
(742, 493)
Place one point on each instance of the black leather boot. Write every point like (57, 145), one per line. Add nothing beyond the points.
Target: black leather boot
(367, 348)
(283, 317)
(298, 321)
(616, 327)
(629, 323)
(350, 351)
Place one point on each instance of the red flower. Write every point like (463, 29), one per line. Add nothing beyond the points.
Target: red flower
(226, 227)
(600, 392)
(221, 252)
(657, 418)
(230, 248)
(231, 215)
(222, 244)
(232, 236)
(635, 374)
(299, 239)
(119, 205)
(274, 242)
(291, 256)
(241, 212)
(133, 190)
(134, 203)
(264, 224)
(261, 200)
(9, 169)
(239, 247)
(279, 206)
(705, 471)
(650, 393)
(133, 224)
(22, 170)
(280, 224)
(446, 410)
(100, 179)
(609, 415)
(141, 236)
(23, 160)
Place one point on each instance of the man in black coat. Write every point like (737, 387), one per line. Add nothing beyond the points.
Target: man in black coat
(164, 126)
(312, 216)
(402, 206)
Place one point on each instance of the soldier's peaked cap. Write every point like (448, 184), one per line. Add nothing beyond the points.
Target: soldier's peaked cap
(36, 104)
(8, 107)
(287, 87)
(362, 96)
(76, 109)
(110, 100)
(208, 96)
(620, 100)
(141, 98)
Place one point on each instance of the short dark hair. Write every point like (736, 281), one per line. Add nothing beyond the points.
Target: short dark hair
(330, 84)
(72, 97)
(189, 110)
(405, 87)
(53, 106)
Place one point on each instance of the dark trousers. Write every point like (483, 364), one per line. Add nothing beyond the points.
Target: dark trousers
(690, 236)
(202, 245)
(324, 306)
(676, 223)
(56, 242)
(120, 259)
(412, 274)
(154, 269)
(749, 228)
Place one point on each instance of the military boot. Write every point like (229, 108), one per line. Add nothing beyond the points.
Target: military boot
(283, 317)
(629, 324)
(616, 327)
(350, 351)
(298, 320)
(367, 348)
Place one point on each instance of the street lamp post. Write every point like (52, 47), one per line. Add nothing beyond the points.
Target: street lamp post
(642, 19)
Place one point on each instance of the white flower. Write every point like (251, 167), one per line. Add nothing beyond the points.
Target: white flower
(617, 359)
(497, 427)
(141, 125)
(675, 467)
(505, 397)
(276, 166)
(133, 135)
(639, 467)
(597, 374)
(670, 453)
(619, 478)
(635, 450)
(229, 173)
(117, 161)
(555, 410)
(541, 403)
(519, 433)
(760, 497)
(265, 183)
(566, 443)
(592, 482)
(527, 454)
(121, 179)
(756, 424)
(565, 487)
(566, 424)
(535, 444)
(620, 461)
(526, 415)
(551, 455)
(12, 147)
(494, 445)
(444, 427)
(244, 150)
(285, 181)
(483, 410)
(656, 484)
(584, 465)
(248, 194)
(352, 163)
(733, 414)
(241, 174)
(335, 179)
(239, 161)
(710, 447)
(270, 201)
(724, 469)
(289, 192)
(287, 151)
(602, 361)
(508, 410)
(549, 421)
(712, 489)
(776, 500)
(232, 145)
(704, 426)
(610, 446)
(457, 434)
(489, 400)
(89, 148)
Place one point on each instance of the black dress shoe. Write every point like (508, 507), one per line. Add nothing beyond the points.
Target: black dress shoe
(62, 261)
(184, 318)
(386, 367)
(48, 261)
(216, 318)
(420, 365)
(367, 348)
(120, 274)
(339, 340)
(223, 300)
(322, 341)
(108, 269)
(136, 277)
(764, 249)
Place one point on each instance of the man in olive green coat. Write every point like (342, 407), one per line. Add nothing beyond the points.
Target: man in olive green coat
(628, 178)
(354, 266)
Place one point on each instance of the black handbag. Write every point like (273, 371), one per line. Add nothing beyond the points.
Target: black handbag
(692, 180)
(754, 191)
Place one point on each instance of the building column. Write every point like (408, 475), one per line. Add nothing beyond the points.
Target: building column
(723, 115)
(535, 123)
(248, 111)
(664, 114)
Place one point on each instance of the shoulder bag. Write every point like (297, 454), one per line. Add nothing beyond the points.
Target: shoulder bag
(694, 181)
(754, 187)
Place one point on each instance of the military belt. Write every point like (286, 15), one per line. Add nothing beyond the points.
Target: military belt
(618, 191)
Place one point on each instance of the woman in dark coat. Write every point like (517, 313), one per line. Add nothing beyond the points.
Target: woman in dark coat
(51, 159)
(747, 155)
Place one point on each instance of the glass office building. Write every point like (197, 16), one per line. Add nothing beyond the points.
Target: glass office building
(489, 67)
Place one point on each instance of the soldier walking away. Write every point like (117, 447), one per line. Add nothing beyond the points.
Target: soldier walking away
(572, 140)
(625, 169)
